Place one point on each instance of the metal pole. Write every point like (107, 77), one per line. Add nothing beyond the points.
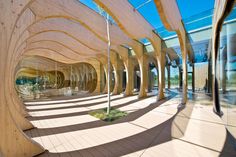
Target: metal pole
(56, 76)
(141, 5)
(44, 80)
(71, 76)
(108, 56)
(37, 78)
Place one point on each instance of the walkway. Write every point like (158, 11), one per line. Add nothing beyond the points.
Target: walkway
(151, 129)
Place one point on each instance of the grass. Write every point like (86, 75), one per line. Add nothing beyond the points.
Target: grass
(102, 114)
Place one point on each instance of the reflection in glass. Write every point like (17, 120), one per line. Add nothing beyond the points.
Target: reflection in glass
(226, 71)
(51, 79)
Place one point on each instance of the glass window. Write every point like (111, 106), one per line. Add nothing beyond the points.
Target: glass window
(226, 71)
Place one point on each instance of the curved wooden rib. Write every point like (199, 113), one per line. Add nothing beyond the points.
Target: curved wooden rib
(136, 27)
(173, 22)
(51, 54)
(57, 16)
(80, 12)
(69, 27)
(64, 39)
(58, 47)
(10, 132)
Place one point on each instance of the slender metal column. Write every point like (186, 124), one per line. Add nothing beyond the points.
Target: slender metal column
(44, 79)
(56, 74)
(168, 76)
(193, 78)
(108, 56)
(37, 72)
(71, 85)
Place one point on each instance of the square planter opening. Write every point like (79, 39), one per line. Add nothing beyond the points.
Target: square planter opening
(102, 114)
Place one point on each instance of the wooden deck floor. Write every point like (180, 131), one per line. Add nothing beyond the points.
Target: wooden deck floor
(151, 129)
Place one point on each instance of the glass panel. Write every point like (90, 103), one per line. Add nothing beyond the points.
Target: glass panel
(92, 5)
(42, 78)
(164, 33)
(201, 20)
(148, 48)
(166, 78)
(148, 10)
(194, 7)
(226, 71)
(174, 77)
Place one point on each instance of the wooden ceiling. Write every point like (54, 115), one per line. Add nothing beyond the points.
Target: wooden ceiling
(70, 32)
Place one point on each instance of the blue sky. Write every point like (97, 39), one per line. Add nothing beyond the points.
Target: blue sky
(187, 8)
(192, 7)
(149, 11)
(89, 3)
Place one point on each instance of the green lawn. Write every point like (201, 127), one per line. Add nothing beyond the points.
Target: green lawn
(102, 114)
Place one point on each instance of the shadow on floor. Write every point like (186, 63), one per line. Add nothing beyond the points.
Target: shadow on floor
(137, 142)
(74, 106)
(132, 116)
(80, 113)
(229, 149)
(160, 134)
(64, 101)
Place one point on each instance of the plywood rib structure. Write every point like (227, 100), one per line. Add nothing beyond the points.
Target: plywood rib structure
(64, 40)
(68, 32)
(43, 27)
(70, 28)
(62, 26)
(135, 26)
(51, 55)
(173, 22)
(11, 132)
(117, 37)
(54, 37)
(75, 10)
(48, 21)
(130, 21)
(31, 39)
(172, 55)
